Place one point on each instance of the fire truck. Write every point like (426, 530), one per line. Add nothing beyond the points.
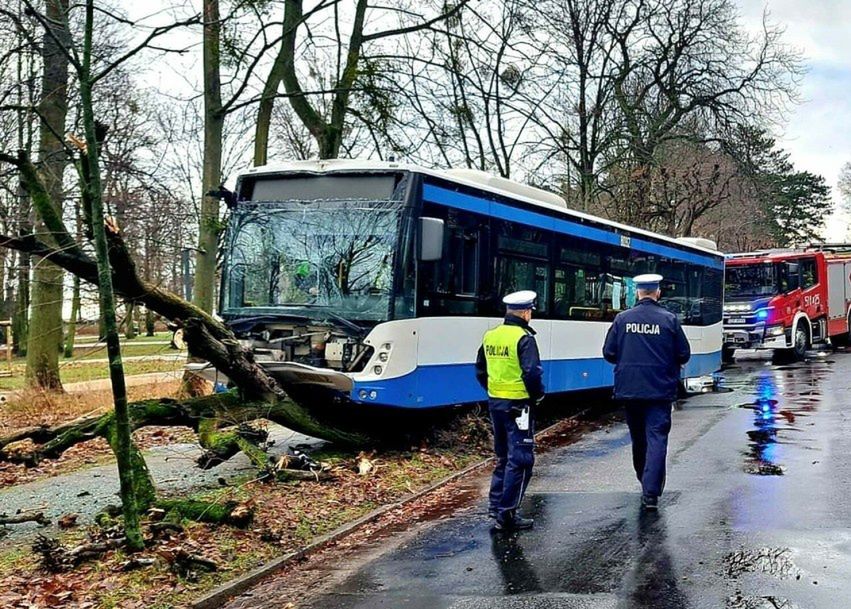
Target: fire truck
(787, 300)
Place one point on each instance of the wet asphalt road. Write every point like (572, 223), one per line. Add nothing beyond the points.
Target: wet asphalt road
(756, 514)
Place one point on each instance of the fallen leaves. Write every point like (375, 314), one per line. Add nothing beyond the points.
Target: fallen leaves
(184, 559)
(67, 521)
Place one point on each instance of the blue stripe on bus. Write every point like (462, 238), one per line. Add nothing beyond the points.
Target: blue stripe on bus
(447, 384)
(443, 196)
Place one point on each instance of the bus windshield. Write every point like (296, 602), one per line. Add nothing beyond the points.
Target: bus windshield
(751, 280)
(314, 258)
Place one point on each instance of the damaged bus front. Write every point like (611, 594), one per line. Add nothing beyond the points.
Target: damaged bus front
(310, 269)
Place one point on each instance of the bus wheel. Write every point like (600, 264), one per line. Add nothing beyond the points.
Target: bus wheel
(802, 342)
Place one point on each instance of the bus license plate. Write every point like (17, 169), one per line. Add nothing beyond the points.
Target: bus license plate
(737, 320)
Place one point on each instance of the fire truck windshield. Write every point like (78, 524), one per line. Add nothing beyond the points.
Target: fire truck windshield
(751, 280)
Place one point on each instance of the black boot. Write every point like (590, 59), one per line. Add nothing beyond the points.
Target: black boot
(650, 503)
(512, 522)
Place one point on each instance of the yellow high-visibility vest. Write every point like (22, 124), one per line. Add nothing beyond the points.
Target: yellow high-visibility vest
(505, 380)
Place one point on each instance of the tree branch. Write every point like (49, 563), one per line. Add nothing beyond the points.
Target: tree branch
(416, 28)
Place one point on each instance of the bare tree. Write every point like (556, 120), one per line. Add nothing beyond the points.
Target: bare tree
(682, 64)
(324, 111)
(45, 328)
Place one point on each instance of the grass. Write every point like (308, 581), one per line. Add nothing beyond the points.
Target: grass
(129, 350)
(82, 370)
(15, 559)
(141, 339)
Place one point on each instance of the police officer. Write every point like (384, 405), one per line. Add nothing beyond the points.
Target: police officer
(647, 346)
(508, 367)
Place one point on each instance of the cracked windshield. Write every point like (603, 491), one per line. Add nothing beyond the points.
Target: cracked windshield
(316, 258)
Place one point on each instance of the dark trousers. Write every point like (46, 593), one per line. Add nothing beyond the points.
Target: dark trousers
(515, 456)
(649, 426)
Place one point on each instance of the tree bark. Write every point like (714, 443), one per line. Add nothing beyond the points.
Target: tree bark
(45, 327)
(129, 322)
(209, 224)
(149, 322)
(71, 333)
(71, 330)
(128, 458)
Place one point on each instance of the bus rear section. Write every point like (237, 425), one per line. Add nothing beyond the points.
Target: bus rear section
(785, 301)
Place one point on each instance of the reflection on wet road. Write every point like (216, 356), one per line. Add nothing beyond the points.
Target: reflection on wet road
(757, 514)
(785, 396)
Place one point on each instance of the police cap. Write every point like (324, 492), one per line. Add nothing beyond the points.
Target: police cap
(649, 281)
(524, 299)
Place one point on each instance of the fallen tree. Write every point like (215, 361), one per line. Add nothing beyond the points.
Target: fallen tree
(101, 257)
(206, 337)
(222, 420)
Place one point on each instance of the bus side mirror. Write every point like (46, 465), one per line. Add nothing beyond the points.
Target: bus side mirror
(431, 239)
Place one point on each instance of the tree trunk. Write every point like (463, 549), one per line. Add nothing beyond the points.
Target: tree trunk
(71, 330)
(20, 313)
(45, 328)
(71, 333)
(149, 322)
(208, 229)
(20, 319)
(121, 442)
(264, 110)
(129, 322)
(4, 304)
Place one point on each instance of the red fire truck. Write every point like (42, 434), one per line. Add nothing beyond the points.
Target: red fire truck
(787, 300)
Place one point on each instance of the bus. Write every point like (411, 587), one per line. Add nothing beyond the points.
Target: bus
(375, 281)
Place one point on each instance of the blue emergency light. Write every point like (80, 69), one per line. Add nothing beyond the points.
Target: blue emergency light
(762, 314)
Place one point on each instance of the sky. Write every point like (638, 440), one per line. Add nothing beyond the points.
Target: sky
(818, 131)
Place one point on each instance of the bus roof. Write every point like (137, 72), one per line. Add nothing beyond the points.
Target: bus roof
(468, 177)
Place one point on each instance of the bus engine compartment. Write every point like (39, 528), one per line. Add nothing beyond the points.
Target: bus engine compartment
(311, 342)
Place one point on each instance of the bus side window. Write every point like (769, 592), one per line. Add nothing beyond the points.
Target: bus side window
(580, 281)
(452, 285)
(515, 274)
(522, 261)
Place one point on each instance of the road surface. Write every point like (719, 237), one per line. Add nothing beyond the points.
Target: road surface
(756, 515)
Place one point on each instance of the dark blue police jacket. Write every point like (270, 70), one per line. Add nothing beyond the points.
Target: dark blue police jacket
(530, 361)
(647, 346)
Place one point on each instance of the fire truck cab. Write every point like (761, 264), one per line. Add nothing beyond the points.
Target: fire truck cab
(787, 300)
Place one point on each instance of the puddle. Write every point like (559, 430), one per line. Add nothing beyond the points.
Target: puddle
(761, 459)
(771, 561)
(782, 397)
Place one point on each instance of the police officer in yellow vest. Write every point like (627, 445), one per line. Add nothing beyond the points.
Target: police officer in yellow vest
(508, 367)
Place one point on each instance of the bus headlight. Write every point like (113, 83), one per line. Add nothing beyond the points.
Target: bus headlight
(383, 357)
(377, 370)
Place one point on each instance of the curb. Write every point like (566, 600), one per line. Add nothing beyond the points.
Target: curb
(218, 596)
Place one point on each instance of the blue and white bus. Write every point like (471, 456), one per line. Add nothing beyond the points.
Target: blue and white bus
(377, 280)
